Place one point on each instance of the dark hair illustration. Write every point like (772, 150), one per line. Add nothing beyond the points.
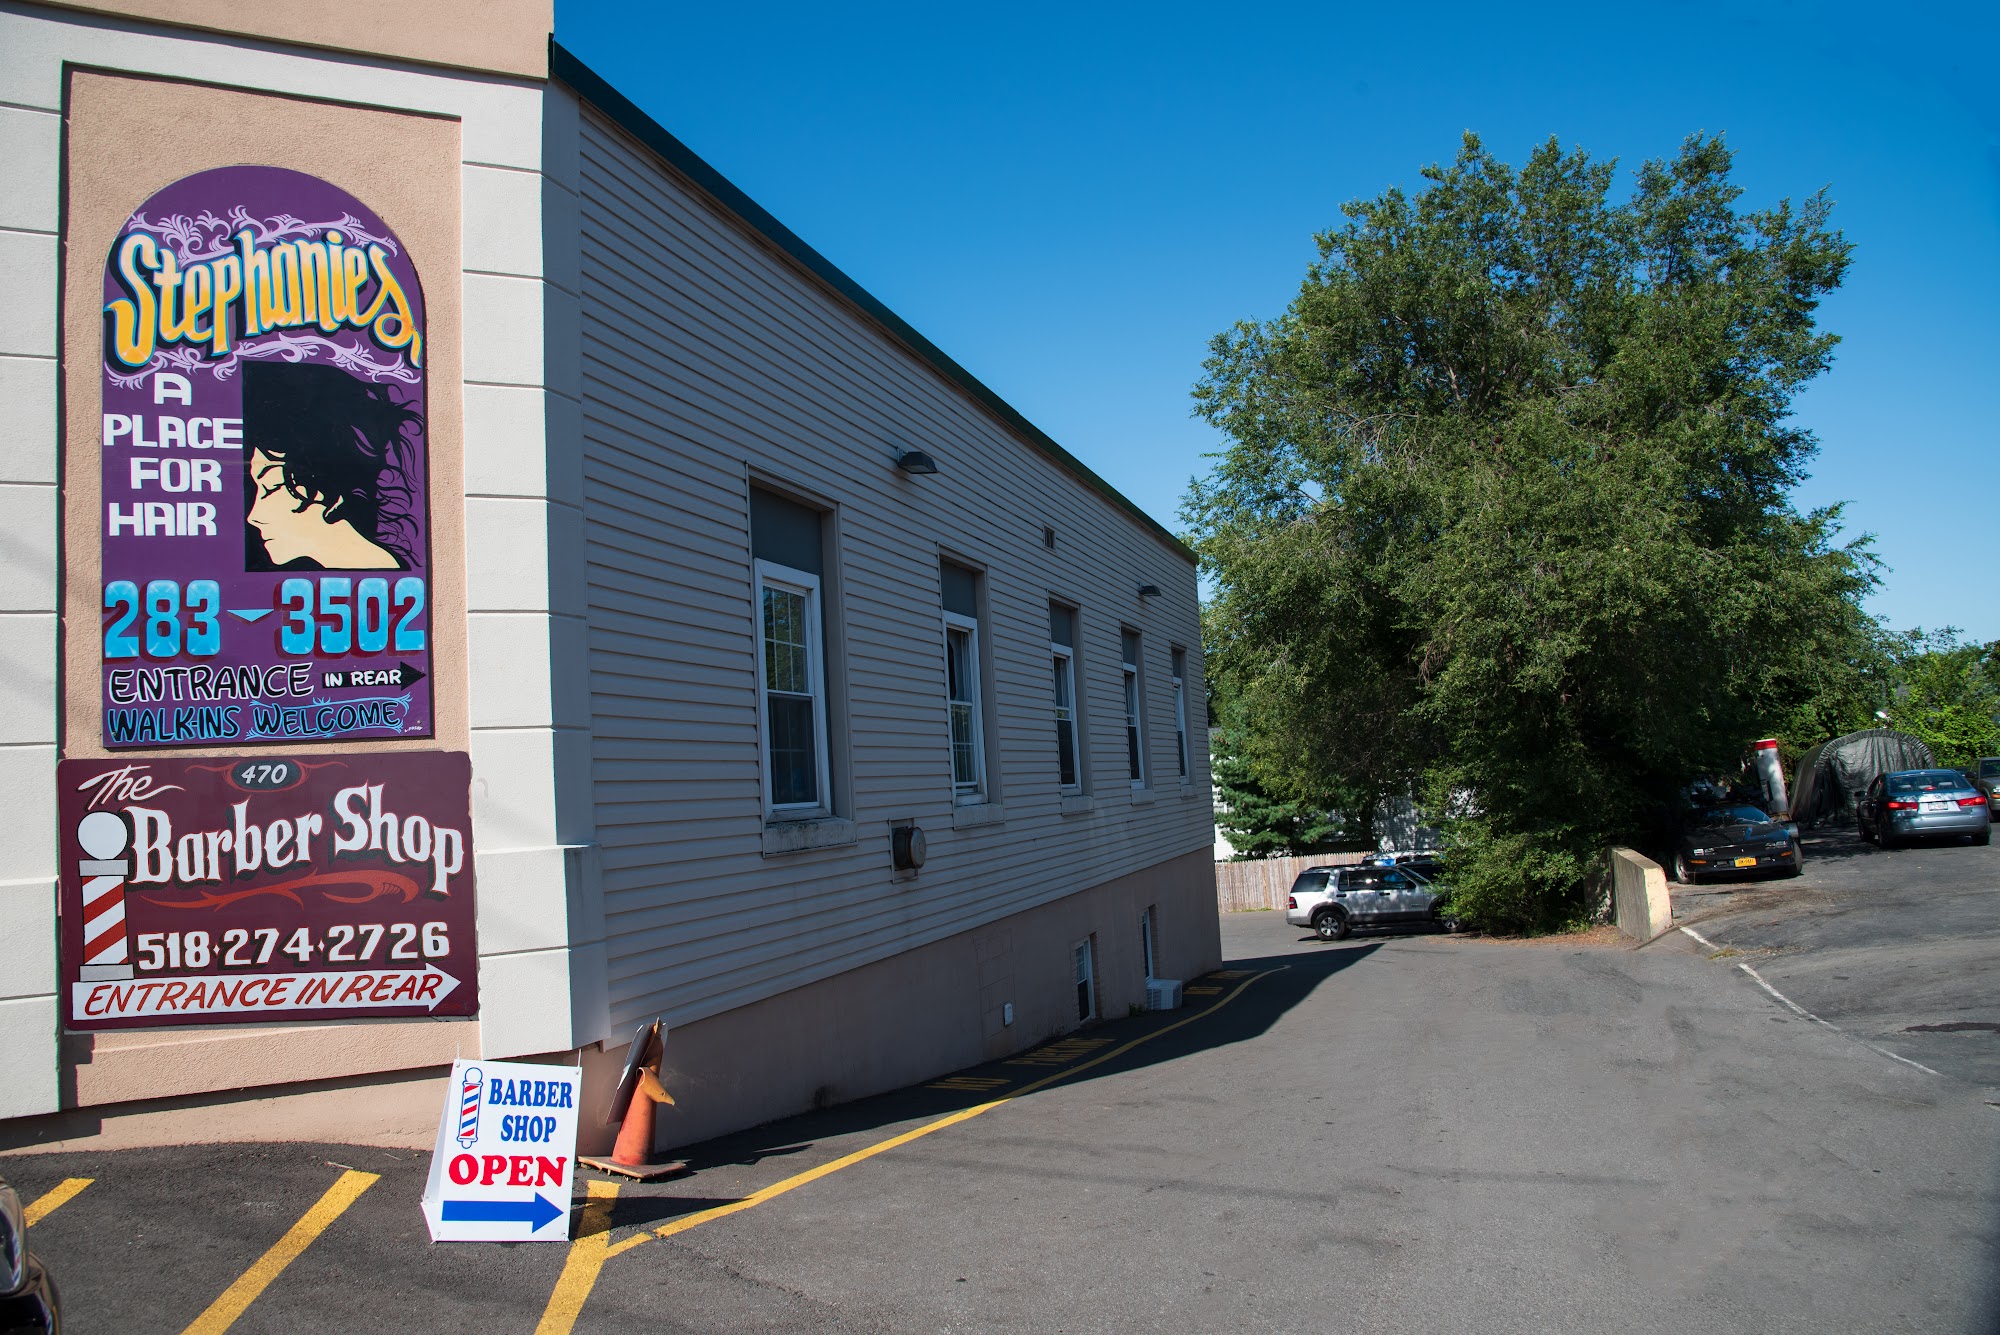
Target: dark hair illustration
(342, 443)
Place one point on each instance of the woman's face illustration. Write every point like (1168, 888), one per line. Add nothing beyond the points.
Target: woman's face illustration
(291, 531)
(288, 531)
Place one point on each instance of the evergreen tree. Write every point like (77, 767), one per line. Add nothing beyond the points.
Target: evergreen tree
(1257, 823)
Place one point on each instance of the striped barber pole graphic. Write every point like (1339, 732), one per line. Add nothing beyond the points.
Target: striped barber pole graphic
(468, 1108)
(106, 945)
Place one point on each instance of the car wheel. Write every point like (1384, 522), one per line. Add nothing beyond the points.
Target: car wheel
(1882, 839)
(1983, 838)
(1798, 860)
(1331, 925)
(1682, 872)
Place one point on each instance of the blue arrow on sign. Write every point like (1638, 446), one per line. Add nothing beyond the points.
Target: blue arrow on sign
(536, 1212)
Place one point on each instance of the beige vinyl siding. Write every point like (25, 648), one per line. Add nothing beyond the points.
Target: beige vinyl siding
(708, 358)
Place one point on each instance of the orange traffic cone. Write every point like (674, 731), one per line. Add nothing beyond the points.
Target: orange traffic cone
(639, 1092)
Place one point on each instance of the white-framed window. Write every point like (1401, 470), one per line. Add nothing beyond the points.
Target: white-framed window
(959, 596)
(1135, 749)
(1083, 958)
(961, 677)
(1180, 711)
(1062, 657)
(1064, 664)
(791, 690)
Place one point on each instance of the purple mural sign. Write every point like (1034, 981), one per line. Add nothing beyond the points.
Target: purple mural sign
(265, 516)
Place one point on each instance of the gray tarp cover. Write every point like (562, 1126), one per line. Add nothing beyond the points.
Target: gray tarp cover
(1833, 775)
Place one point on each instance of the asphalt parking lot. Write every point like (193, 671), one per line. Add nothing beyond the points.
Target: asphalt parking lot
(1396, 1132)
(1900, 946)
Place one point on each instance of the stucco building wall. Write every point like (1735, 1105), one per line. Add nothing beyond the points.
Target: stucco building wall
(479, 142)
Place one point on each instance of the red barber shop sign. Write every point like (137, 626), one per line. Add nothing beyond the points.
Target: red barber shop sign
(234, 890)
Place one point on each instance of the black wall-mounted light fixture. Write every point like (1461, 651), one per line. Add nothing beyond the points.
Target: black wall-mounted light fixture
(1149, 590)
(916, 463)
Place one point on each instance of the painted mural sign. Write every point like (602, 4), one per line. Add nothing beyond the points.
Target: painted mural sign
(236, 890)
(265, 516)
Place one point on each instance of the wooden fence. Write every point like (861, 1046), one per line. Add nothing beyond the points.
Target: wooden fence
(1264, 882)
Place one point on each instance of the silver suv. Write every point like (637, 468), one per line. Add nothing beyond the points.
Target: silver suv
(1334, 900)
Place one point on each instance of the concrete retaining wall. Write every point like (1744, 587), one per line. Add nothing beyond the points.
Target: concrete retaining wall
(1639, 899)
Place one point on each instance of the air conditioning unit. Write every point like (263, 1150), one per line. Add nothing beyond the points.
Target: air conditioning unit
(1163, 994)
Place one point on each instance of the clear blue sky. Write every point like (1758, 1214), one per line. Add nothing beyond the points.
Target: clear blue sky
(1071, 201)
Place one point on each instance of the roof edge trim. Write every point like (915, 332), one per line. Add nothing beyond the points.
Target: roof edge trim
(564, 67)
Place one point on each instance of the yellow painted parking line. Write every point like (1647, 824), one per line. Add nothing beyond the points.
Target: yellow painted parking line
(572, 1299)
(1059, 1053)
(587, 1254)
(236, 1299)
(55, 1198)
(975, 1084)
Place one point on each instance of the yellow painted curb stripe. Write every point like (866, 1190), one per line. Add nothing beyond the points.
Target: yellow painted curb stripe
(756, 1198)
(55, 1198)
(236, 1299)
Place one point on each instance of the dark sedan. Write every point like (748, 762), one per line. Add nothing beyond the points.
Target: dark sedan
(27, 1294)
(1738, 840)
(1917, 803)
(1985, 776)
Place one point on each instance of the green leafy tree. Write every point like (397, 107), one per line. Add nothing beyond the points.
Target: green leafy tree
(1842, 691)
(1503, 516)
(1945, 696)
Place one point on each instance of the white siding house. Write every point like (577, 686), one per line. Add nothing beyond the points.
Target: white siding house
(815, 701)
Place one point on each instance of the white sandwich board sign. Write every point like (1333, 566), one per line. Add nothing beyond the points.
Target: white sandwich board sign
(505, 1160)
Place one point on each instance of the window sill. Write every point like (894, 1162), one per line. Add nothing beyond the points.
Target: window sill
(1144, 797)
(1077, 804)
(977, 814)
(796, 836)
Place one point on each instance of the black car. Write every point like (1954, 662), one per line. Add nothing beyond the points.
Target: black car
(27, 1294)
(1426, 866)
(1736, 839)
(1985, 776)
